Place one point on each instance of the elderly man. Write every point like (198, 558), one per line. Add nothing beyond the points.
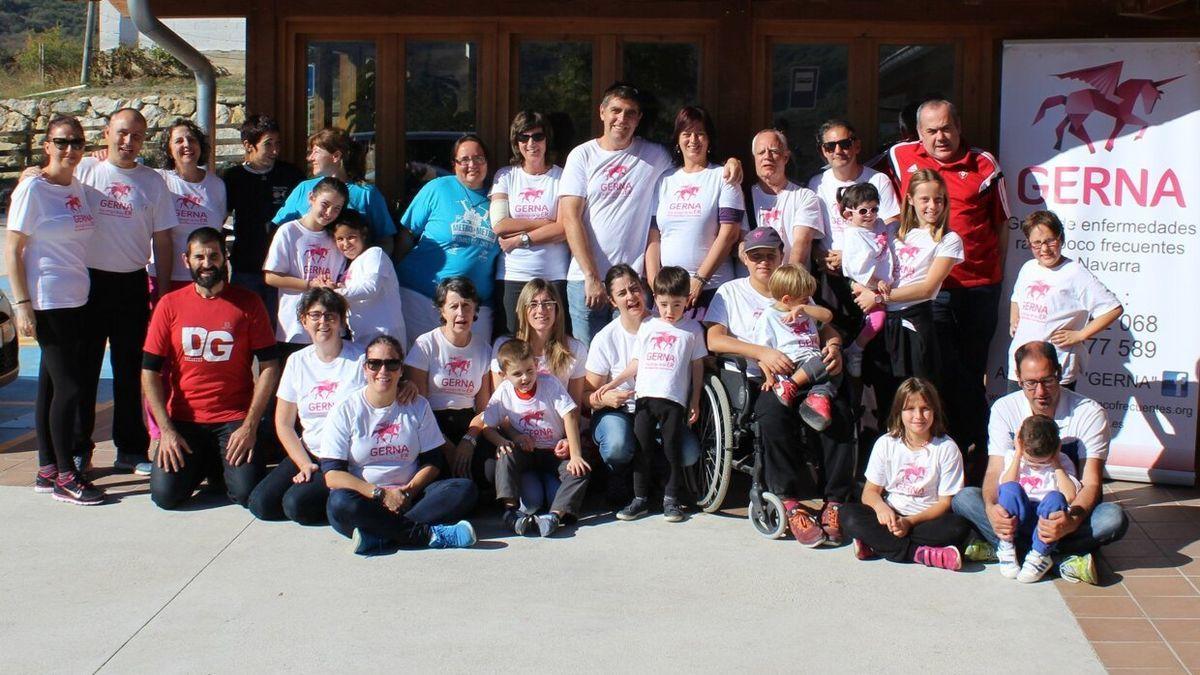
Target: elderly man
(607, 192)
(1084, 429)
(776, 202)
(965, 311)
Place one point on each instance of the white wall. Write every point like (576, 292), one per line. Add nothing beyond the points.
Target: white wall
(207, 35)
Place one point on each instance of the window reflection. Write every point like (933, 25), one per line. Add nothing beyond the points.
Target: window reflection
(341, 91)
(440, 89)
(668, 75)
(808, 86)
(909, 74)
(555, 78)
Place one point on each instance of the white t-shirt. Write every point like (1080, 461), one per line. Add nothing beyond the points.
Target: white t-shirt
(619, 188)
(369, 285)
(914, 480)
(611, 350)
(132, 205)
(914, 255)
(315, 386)
(531, 197)
(665, 353)
(1049, 299)
(1038, 480)
(297, 251)
(794, 207)
(826, 185)
(380, 444)
(455, 373)
(737, 306)
(866, 254)
(1082, 425)
(538, 416)
(196, 205)
(798, 339)
(576, 368)
(687, 211)
(59, 223)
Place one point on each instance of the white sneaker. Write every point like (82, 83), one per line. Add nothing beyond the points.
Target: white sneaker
(1006, 553)
(1035, 567)
(854, 357)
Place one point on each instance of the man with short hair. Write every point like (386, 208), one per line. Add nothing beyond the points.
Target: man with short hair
(776, 202)
(134, 214)
(607, 191)
(965, 311)
(208, 335)
(1084, 430)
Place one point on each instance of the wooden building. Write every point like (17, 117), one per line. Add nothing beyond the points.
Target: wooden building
(406, 75)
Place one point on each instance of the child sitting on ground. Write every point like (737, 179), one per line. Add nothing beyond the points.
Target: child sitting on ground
(668, 363)
(539, 418)
(790, 325)
(867, 260)
(1038, 481)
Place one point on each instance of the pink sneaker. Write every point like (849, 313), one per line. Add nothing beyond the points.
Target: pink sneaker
(944, 557)
(864, 552)
(787, 391)
(816, 411)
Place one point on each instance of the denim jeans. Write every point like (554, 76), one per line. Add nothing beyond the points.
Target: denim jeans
(278, 498)
(586, 321)
(1106, 524)
(443, 501)
(613, 432)
(207, 442)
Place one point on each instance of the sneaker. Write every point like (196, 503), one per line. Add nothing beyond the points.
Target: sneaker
(1079, 568)
(367, 544)
(980, 551)
(672, 513)
(516, 521)
(547, 523)
(862, 551)
(1035, 567)
(136, 466)
(854, 356)
(45, 483)
(458, 535)
(1006, 553)
(804, 528)
(816, 411)
(942, 557)
(787, 391)
(633, 510)
(831, 524)
(76, 490)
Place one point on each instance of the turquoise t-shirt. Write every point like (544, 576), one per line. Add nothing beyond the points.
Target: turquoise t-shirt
(364, 198)
(455, 238)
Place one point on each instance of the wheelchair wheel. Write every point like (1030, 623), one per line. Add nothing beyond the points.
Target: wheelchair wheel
(709, 478)
(768, 516)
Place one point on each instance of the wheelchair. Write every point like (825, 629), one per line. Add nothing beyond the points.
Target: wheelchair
(728, 434)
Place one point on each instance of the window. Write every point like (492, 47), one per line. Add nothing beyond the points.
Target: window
(555, 78)
(808, 86)
(910, 74)
(440, 90)
(668, 75)
(340, 83)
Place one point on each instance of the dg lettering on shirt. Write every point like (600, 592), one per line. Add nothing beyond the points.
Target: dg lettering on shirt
(202, 344)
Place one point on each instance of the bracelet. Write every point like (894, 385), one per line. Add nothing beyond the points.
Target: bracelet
(468, 438)
(21, 302)
(703, 280)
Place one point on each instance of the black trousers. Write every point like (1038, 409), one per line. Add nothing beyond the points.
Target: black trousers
(60, 336)
(454, 424)
(276, 497)
(651, 416)
(117, 313)
(787, 442)
(859, 522)
(170, 489)
(965, 320)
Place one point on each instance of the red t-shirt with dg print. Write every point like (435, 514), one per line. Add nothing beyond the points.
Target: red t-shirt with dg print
(208, 346)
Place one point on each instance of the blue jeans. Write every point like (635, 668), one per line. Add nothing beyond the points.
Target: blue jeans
(613, 432)
(1014, 500)
(443, 501)
(586, 321)
(1106, 524)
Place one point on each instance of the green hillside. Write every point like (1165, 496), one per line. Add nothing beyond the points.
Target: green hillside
(18, 17)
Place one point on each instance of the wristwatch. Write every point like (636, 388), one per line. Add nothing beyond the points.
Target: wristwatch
(526, 240)
(878, 299)
(377, 494)
(469, 439)
(1077, 512)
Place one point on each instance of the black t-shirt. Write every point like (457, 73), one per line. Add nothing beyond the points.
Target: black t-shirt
(254, 198)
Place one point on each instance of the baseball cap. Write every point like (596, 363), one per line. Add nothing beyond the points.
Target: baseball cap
(762, 237)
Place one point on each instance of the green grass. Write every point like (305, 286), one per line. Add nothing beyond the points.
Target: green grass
(17, 85)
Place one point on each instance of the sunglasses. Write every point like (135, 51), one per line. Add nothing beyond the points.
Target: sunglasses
(537, 137)
(392, 365)
(64, 143)
(865, 211)
(845, 144)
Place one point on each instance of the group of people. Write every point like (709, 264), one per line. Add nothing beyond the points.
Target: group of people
(609, 282)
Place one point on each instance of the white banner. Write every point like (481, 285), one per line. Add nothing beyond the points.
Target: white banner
(1106, 134)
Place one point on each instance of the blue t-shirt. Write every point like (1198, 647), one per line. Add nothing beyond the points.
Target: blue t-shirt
(366, 199)
(455, 238)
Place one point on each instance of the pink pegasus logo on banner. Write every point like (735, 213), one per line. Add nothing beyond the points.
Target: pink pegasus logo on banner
(1107, 95)
(532, 194)
(1038, 289)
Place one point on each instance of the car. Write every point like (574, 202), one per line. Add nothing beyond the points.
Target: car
(10, 365)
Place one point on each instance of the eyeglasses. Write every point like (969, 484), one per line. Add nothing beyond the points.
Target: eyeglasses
(467, 161)
(845, 144)
(868, 211)
(392, 365)
(545, 304)
(328, 316)
(1044, 243)
(64, 143)
(1046, 382)
(536, 137)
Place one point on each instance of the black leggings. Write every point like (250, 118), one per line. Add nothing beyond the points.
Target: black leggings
(652, 415)
(60, 335)
(860, 522)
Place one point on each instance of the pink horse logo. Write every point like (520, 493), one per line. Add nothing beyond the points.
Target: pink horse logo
(458, 366)
(660, 340)
(1038, 289)
(118, 190)
(801, 327)
(617, 171)
(770, 217)
(316, 253)
(1030, 482)
(688, 192)
(324, 389)
(912, 474)
(532, 194)
(1107, 95)
(386, 431)
(187, 201)
(73, 203)
(531, 419)
(908, 252)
